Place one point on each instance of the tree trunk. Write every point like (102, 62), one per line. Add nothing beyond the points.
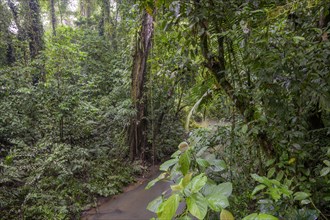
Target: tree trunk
(35, 30)
(138, 129)
(53, 16)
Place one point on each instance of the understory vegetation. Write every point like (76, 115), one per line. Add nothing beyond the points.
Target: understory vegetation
(94, 92)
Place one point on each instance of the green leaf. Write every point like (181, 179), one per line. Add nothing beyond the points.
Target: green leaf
(271, 172)
(198, 182)
(186, 179)
(177, 187)
(325, 171)
(219, 165)
(244, 129)
(326, 162)
(297, 39)
(225, 189)
(257, 178)
(197, 205)
(169, 207)
(257, 189)
(300, 196)
(202, 162)
(305, 201)
(274, 193)
(217, 202)
(270, 162)
(183, 183)
(166, 165)
(153, 182)
(226, 215)
(253, 216)
(184, 163)
(280, 175)
(154, 204)
(263, 216)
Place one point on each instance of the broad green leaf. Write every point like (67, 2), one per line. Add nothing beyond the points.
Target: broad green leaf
(169, 207)
(184, 162)
(225, 189)
(280, 175)
(253, 216)
(258, 188)
(326, 162)
(262, 179)
(166, 165)
(176, 154)
(244, 129)
(325, 171)
(257, 178)
(209, 189)
(197, 205)
(186, 179)
(219, 165)
(263, 216)
(274, 193)
(217, 202)
(202, 162)
(153, 182)
(177, 187)
(271, 172)
(300, 196)
(154, 204)
(226, 215)
(198, 182)
(183, 183)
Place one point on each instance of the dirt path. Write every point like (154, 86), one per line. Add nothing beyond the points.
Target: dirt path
(130, 204)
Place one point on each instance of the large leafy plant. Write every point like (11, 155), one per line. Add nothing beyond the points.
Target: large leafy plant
(199, 194)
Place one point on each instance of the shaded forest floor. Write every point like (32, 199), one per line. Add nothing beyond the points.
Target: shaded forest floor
(132, 203)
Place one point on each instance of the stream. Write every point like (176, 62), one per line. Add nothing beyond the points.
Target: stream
(130, 204)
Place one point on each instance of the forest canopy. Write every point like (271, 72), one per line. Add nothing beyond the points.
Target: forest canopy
(92, 92)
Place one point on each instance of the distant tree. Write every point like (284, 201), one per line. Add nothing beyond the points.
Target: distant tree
(138, 127)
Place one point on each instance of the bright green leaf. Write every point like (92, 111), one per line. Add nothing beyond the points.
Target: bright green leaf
(198, 182)
(154, 204)
(217, 202)
(153, 182)
(169, 207)
(166, 165)
(258, 188)
(184, 162)
(263, 216)
(197, 205)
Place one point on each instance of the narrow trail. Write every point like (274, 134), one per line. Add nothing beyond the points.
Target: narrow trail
(130, 204)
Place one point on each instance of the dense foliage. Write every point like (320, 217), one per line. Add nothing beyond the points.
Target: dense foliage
(88, 88)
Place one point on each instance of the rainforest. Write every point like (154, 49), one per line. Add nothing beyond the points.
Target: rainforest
(222, 107)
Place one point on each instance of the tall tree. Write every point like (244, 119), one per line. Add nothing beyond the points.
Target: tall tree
(138, 127)
(53, 16)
